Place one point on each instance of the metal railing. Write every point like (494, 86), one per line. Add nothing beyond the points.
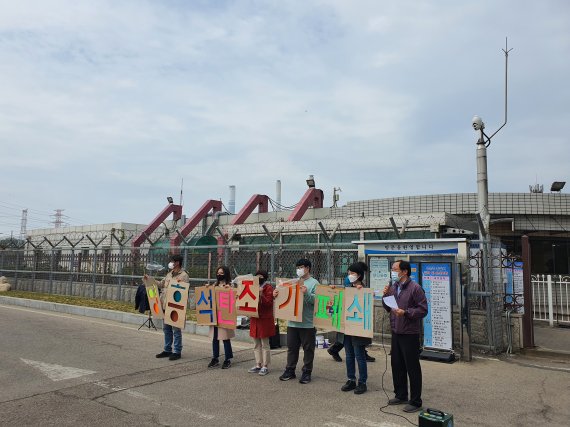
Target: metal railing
(551, 298)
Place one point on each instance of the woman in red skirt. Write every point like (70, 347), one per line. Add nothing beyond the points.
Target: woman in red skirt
(263, 327)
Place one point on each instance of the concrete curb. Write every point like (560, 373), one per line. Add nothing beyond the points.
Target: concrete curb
(546, 353)
(116, 316)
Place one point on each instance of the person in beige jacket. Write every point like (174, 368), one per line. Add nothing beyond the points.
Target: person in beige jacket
(172, 333)
(223, 279)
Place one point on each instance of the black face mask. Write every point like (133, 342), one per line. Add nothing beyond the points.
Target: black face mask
(220, 277)
(262, 280)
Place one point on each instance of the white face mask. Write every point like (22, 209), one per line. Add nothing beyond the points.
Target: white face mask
(171, 265)
(300, 272)
(394, 276)
(352, 278)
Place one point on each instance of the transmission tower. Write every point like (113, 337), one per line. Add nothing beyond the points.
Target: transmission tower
(58, 222)
(23, 224)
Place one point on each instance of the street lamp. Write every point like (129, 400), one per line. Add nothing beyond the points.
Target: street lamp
(311, 181)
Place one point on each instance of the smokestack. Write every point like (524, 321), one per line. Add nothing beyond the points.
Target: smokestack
(278, 193)
(232, 202)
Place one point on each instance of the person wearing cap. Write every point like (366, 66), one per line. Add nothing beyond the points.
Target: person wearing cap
(172, 334)
(302, 333)
(355, 346)
(262, 327)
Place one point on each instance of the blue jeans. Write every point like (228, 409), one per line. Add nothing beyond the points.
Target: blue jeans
(169, 333)
(354, 351)
(228, 353)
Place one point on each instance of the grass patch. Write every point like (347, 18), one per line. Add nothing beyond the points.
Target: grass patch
(83, 302)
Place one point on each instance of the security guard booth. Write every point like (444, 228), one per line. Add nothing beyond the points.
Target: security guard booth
(440, 266)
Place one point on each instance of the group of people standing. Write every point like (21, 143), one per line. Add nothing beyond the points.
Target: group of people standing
(405, 324)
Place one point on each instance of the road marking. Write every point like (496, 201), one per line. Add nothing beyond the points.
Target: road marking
(57, 372)
(109, 386)
(198, 414)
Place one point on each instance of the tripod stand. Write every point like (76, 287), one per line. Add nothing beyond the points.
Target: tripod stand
(148, 322)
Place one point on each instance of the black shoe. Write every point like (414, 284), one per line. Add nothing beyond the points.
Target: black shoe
(305, 378)
(163, 354)
(214, 363)
(411, 408)
(334, 355)
(227, 364)
(350, 385)
(396, 401)
(370, 358)
(360, 388)
(287, 375)
(175, 356)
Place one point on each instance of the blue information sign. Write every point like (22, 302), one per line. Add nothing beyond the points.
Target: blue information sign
(436, 281)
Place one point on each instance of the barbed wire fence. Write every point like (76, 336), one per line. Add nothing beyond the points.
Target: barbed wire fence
(106, 266)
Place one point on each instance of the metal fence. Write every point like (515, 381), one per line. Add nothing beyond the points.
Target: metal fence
(551, 298)
(105, 272)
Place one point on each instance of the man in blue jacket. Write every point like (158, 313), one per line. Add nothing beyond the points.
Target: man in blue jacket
(406, 323)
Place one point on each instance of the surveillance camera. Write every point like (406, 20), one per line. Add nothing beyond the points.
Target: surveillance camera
(477, 123)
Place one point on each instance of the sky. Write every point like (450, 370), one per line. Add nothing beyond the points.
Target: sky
(106, 106)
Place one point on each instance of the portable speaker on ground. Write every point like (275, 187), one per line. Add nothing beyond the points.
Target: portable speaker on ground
(438, 356)
(434, 418)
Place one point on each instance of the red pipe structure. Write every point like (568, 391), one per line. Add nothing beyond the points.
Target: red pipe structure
(171, 208)
(209, 205)
(313, 197)
(257, 200)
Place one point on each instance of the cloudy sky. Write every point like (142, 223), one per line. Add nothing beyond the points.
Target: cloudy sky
(106, 105)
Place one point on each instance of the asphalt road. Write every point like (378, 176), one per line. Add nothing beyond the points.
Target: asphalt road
(59, 369)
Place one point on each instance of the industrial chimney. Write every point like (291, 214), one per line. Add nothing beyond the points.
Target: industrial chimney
(278, 193)
(232, 202)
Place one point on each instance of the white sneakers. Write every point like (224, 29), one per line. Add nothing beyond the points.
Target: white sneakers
(257, 370)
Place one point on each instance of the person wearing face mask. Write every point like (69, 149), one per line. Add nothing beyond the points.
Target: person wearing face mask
(338, 345)
(262, 327)
(172, 334)
(302, 333)
(406, 322)
(223, 279)
(354, 346)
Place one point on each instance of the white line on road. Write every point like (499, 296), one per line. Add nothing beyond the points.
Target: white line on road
(57, 372)
(198, 414)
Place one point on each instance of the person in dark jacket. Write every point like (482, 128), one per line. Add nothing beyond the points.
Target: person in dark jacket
(354, 346)
(262, 327)
(406, 322)
(141, 300)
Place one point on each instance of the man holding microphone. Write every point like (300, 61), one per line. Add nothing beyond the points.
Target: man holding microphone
(406, 322)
